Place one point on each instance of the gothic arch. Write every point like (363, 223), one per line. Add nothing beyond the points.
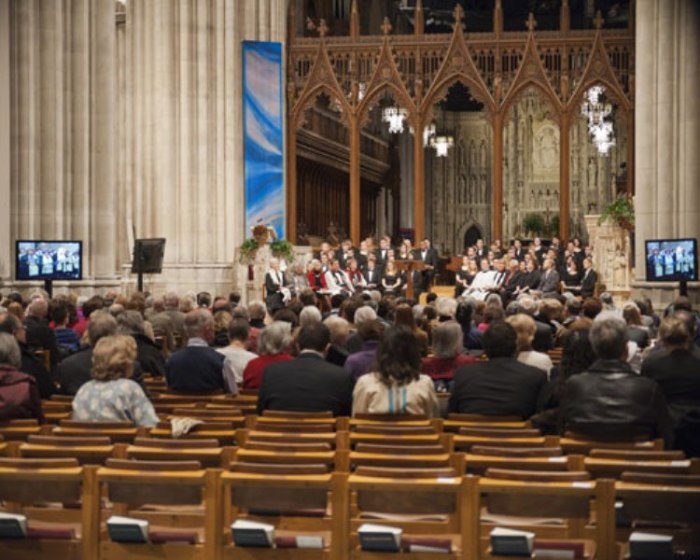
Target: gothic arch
(441, 88)
(309, 97)
(469, 226)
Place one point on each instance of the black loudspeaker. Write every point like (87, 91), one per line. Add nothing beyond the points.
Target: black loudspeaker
(148, 256)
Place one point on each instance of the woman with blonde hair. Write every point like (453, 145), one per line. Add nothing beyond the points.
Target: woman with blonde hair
(111, 396)
(525, 329)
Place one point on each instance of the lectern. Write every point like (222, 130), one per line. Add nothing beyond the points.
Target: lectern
(409, 266)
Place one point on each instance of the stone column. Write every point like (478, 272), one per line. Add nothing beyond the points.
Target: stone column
(62, 105)
(6, 249)
(185, 172)
(667, 130)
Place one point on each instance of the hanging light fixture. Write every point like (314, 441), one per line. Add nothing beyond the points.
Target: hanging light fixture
(428, 133)
(395, 116)
(442, 144)
(598, 113)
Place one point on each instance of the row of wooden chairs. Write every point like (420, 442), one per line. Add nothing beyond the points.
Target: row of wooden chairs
(181, 499)
(381, 453)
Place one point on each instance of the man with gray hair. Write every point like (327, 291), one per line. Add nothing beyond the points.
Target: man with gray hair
(75, 369)
(149, 355)
(610, 401)
(197, 368)
(39, 334)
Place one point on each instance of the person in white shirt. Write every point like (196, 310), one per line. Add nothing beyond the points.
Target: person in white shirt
(238, 356)
(337, 280)
(487, 281)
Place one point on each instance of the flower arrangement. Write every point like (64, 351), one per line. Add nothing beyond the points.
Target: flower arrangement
(620, 212)
(283, 249)
(534, 223)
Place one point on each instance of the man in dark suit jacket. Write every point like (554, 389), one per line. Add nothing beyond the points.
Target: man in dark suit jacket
(590, 277)
(429, 256)
(39, 334)
(502, 386)
(549, 280)
(308, 383)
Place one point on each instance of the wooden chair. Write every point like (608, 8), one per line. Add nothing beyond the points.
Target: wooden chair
(496, 433)
(117, 432)
(465, 443)
(55, 411)
(372, 456)
(656, 506)
(223, 432)
(600, 467)
(24, 482)
(401, 439)
(86, 450)
(563, 499)
(300, 504)
(207, 452)
(456, 420)
(479, 463)
(331, 460)
(578, 444)
(171, 487)
(19, 430)
(425, 505)
(337, 440)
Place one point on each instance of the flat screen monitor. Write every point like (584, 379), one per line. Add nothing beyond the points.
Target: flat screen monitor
(148, 256)
(42, 259)
(671, 260)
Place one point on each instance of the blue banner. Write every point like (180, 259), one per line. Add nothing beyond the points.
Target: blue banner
(263, 136)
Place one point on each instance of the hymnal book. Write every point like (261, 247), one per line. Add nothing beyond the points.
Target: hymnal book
(55, 533)
(509, 542)
(426, 544)
(13, 526)
(379, 537)
(127, 529)
(650, 546)
(559, 550)
(252, 533)
(184, 537)
(300, 541)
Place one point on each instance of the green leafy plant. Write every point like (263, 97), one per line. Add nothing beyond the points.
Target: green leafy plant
(248, 249)
(533, 223)
(283, 249)
(620, 212)
(554, 226)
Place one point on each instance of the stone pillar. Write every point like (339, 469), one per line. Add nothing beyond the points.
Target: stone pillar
(667, 130)
(185, 176)
(62, 101)
(6, 249)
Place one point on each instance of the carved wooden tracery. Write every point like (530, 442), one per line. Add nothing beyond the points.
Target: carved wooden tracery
(419, 69)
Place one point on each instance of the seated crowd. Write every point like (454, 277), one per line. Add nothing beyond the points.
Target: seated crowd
(619, 373)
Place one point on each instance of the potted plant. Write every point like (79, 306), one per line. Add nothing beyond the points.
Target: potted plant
(533, 224)
(247, 250)
(282, 249)
(620, 212)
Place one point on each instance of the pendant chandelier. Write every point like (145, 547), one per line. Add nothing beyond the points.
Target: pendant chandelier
(395, 117)
(598, 113)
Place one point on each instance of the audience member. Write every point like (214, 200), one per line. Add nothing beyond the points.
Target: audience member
(39, 334)
(609, 401)
(197, 368)
(308, 383)
(403, 316)
(148, 354)
(360, 362)
(525, 328)
(66, 338)
(677, 371)
(19, 396)
(397, 387)
(111, 396)
(236, 352)
(447, 355)
(274, 346)
(339, 329)
(502, 386)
